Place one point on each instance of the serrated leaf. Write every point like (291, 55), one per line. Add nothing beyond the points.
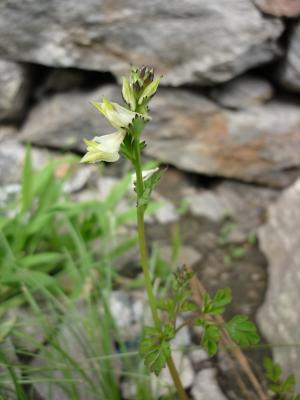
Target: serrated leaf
(188, 306)
(222, 297)
(206, 302)
(273, 371)
(167, 305)
(288, 385)
(217, 305)
(156, 360)
(210, 339)
(242, 331)
(155, 349)
(169, 332)
(199, 322)
(275, 388)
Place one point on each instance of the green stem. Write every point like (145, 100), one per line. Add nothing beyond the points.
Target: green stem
(144, 261)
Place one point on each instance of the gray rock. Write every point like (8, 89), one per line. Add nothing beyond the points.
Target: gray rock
(188, 130)
(167, 212)
(207, 205)
(279, 317)
(206, 386)
(12, 156)
(14, 87)
(60, 80)
(79, 179)
(289, 70)
(198, 355)
(246, 205)
(67, 119)
(243, 92)
(8, 199)
(192, 41)
(187, 255)
(279, 8)
(128, 310)
(7, 132)
(254, 145)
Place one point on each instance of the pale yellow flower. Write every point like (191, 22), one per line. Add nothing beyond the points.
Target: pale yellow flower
(104, 148)
(119, 117)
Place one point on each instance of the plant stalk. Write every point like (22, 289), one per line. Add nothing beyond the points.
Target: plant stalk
(144, 262)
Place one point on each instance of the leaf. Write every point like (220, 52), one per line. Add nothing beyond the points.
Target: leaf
(27, 180)
(275, 388)
(167, 305)
(188, 306)
(210, 339)
(272, 371)
(34, 279)
(155, 349)
(169, 332)
(118, 192)
(288, 385)
(127, 148)
(43, 179)
(217, 304)
(222, 297)
(6, 327)
(148, 187)
(34, 260)
(238, 252)
(242, 331)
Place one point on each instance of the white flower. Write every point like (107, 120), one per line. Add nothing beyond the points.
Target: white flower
(119, 117)
(104, 148)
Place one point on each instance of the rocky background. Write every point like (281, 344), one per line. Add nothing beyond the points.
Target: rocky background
(226, 120)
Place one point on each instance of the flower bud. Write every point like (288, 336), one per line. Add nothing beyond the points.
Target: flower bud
(149, 91)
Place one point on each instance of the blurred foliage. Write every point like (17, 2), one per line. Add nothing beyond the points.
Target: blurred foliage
(57, 269)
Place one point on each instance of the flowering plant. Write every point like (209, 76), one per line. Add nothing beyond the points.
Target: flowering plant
(129, 122)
